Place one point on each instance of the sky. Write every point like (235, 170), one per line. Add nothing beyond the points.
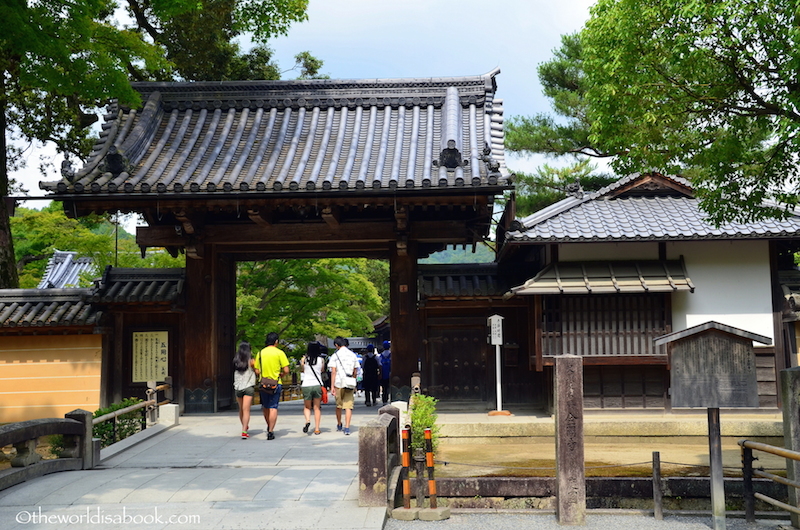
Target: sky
(362, 39)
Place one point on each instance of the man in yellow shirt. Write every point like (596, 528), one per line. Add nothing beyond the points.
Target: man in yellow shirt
(271, 362)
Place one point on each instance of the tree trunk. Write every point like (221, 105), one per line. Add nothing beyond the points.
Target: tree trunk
(9, 279)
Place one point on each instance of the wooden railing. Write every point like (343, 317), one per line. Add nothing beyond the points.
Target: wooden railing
(748, 473)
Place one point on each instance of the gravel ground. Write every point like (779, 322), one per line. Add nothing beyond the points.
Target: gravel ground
(503, 521)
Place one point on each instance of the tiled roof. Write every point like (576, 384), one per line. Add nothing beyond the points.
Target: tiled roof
(261, 137)
(45, 308)
(602, 216)
(119, 285)
(64, 270)
(602, 277)
(460, 281)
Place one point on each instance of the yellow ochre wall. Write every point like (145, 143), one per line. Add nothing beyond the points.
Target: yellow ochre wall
(46, 376)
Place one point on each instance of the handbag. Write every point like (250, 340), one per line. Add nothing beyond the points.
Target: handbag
(324, 398)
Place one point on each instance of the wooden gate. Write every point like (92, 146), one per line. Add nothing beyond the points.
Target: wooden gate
(457, 359)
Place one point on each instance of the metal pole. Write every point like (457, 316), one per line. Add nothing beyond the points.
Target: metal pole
(499, 370)
(715, 459)
(658, 495)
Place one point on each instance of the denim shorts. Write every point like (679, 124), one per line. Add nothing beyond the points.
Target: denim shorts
(270, 401)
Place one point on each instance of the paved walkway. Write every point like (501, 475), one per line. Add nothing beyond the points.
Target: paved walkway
(201, 474)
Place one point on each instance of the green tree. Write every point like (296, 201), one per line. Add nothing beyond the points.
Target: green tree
(38, 233)
(567, 132)
(707, 88)
(551, 184)
(57, 60)
(301, 299)
(200, 43)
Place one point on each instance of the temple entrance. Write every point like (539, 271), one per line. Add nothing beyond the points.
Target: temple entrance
(240, 171)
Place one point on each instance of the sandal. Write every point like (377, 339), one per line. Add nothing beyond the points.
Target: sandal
(305, 429)
(316, 432)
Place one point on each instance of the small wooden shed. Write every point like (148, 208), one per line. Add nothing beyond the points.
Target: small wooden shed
(713, 366)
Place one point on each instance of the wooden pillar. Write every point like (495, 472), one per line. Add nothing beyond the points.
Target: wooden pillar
(198, 356)
(570, 470)
(790, 392)
(406, 334)
(224, 316)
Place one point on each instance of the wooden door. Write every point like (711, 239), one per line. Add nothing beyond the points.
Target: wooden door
(457, 361)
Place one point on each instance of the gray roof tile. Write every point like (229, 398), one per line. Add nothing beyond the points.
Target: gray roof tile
(601, 216)
(35, 308)
(295, 136)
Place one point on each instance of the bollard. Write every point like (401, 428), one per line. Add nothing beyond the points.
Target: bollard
(747, 485)
(406, 467)
(429, 461)
(658, 495)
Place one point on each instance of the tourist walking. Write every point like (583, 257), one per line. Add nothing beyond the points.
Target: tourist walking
(313, 366)
(386, 370)
(343, 365)
(270, 364)
(372, 376)
(244, 383)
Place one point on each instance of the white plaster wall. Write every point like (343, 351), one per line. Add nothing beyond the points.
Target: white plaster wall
(607, 251)
(732, 285)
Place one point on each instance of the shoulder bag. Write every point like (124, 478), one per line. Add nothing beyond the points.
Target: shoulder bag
(267, 384)
(322, 387)
(348, 381)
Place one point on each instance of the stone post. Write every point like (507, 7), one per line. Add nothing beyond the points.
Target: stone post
(375, 449)
(790, 396)
(570, 470)
(86, 448)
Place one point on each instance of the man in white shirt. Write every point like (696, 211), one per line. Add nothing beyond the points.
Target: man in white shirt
(343, 363)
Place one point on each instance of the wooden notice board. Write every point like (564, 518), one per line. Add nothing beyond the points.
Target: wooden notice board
(150, 356)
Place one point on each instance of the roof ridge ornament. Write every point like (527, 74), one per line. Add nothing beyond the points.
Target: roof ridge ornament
(450, 156)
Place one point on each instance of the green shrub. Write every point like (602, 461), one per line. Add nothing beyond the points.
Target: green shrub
(57, 445)
(423, 416)
(127, 424)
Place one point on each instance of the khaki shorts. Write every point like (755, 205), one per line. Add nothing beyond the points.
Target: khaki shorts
(345, 398)
(249, 391)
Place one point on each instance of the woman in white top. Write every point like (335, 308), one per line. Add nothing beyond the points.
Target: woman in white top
(313, 365)
(244, 382)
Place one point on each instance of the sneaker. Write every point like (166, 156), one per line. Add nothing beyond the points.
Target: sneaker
(347, 431)
(339, 427)
(245, 436)
(270, 436)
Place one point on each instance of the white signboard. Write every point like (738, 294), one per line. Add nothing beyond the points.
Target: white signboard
(150, 356)
(496, 328)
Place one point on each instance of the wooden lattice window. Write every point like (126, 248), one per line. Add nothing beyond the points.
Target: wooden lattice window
(597, 325)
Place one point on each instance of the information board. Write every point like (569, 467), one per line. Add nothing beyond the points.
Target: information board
(150, 356)
(714, 376)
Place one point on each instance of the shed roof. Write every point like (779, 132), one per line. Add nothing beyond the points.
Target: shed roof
(265, 137)
(707, 326)
(639, 207)
(460, 281)
(602, 277)
(123, 286)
